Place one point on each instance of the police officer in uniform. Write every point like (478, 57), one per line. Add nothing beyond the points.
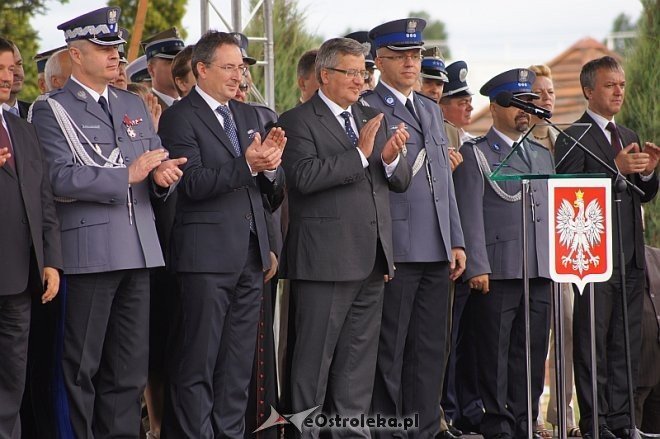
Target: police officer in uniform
(492, 221)
(427, 239)
(433, 74)
(105, 160)
(369, 63)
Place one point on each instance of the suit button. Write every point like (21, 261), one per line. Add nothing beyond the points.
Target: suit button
(134, 202)
(112, 200)
(120, 139)
(436, 200)
(83, 221)
(538, 220)
(435, 179)
(127, 159)
(247, 216)
(538, 204)
(96, 138)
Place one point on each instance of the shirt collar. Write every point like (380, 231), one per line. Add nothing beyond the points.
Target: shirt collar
(7, 106)
(210, 101)
(508, 140)
(400, 96)
(94, 94)
(336, 109)
(600, 120)
(169, 100)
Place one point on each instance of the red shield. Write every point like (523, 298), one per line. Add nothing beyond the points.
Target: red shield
(580, 230)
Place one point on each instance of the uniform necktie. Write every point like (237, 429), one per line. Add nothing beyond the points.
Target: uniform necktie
(409, 106)
(230, 128)
(5, 142)
(616, 139)
(104, 105)
(14, 111)
(352, 137)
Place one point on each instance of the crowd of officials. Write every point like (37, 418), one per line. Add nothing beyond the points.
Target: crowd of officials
(148, 209)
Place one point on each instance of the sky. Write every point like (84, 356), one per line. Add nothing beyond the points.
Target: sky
(490, 35)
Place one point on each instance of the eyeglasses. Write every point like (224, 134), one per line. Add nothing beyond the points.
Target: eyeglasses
(402, 58)
(243, 87)
(231, 69)
(352, 73)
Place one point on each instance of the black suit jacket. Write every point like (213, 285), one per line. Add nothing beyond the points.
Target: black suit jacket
(27, 211)
(338, 210)
(23, 109)
(217, 193)
(577, 162)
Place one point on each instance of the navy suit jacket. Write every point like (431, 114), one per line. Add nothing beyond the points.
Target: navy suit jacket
(217, 194)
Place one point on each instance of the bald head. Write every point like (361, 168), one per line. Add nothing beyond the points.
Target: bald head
(58, 69)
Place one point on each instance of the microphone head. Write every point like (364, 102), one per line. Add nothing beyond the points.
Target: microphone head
(503, 98)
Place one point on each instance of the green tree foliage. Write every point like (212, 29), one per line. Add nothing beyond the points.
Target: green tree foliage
(435, 30)
(291, 40)
(13, 12)
(161, 15)
(641, 111)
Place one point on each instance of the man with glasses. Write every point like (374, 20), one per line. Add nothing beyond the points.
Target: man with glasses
(220, 247)
(427, 238)
(340, 168)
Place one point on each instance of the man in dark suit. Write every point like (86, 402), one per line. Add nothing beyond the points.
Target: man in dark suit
(219, 247)
(103, 174)
(491, 214)
(339, 244)
(647, 392)
(30, 248)
(603, 85)
(13, 104)
(427, 239)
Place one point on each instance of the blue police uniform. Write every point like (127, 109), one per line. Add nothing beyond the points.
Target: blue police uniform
(108, 239)
(492, 221)
(415, 326)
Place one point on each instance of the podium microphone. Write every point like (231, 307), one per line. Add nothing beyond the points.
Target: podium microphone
(507, 99)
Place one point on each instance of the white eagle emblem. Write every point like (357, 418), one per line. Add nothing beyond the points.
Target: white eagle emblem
(579, 233)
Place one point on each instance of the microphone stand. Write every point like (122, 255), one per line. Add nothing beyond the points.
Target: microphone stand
(620, 185)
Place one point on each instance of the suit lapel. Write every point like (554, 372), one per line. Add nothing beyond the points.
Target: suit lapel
(14, 138)
(596, 136)
(92, 106)
(207, 116)
(330, 122)
(243, 130)
(360, 120)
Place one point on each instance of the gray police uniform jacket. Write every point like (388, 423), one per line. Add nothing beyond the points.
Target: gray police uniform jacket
(492, 225)
(97, 233)
(425, 218)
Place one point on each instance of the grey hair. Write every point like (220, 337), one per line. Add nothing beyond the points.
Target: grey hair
(329, 52)
(53, 68)
(588, 73)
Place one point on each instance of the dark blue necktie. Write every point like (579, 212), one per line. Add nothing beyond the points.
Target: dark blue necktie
(230, 128)
(349, 129)
(106, 109)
